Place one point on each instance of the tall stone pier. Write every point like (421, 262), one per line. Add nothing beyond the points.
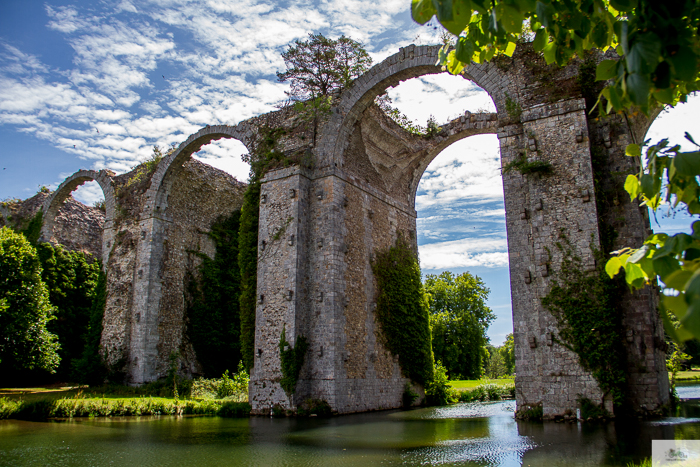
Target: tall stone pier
(321, 225)
(352, 194)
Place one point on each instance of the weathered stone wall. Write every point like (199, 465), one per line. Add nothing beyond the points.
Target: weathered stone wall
(199, 196)
(360, 195)
(350, 191)
(76, 226)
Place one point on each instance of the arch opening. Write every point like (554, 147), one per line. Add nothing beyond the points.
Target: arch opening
(666, 125)
(96, 224)
(459, 199)
(225, 155)
(442, 96)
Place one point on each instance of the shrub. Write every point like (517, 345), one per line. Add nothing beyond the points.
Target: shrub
(409, 395)
(439, 391)
(402, 310)
(233, 409)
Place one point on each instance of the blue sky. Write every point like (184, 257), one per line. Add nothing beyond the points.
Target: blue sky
(91, 84)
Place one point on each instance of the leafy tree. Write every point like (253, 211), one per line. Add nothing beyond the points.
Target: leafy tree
(318, 67)
(90, 368)
(507, 350)
(25, 310)
(214, 324)
(658, 47)
(459, 318)
(495, 365)
(71, 279)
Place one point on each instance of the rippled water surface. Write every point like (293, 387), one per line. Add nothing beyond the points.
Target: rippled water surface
(464, 434)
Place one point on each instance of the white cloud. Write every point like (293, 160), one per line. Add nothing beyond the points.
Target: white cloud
(156, 71)
(466, 252)
(467, 170)
(443, 96)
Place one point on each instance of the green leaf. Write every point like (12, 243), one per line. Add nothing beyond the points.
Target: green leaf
(687, 163)
(612, 267)
(422, 11)
(665, 266)
(510, 49)
(550, 51)
(633, 150)
(634, 275)
(510, 18)
(675, 304)
(691, 321)
(607, 69)
(664, 96)
(454, 66)
(677, 280)
(540, 40)
(643, 57)
(544, 13)
(623, 5)
(464, 50)
(443, 10)
(461, 14)
(599, 35)
(647, 185)
(684, 63)
(638, 88)
(480, 6)
(632, 186)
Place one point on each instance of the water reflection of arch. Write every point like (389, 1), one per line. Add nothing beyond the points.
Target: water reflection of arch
(157, 195)
(53, 204)
(409, 62)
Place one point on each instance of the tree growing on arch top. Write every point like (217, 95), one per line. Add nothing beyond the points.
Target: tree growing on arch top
(318, 67)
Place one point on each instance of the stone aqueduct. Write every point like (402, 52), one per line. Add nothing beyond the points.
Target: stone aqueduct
(357, 197)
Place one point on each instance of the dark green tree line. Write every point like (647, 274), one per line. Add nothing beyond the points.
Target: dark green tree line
(213, 317)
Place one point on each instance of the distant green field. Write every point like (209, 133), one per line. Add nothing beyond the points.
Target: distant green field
(461, 385)
(690, 375)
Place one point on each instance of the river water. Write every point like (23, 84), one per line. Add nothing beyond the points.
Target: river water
(478, 434)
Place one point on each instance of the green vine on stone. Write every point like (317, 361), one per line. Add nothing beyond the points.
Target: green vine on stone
(265, 157)
(584, 305)
(402, 310)
(282, 229)
(513, 109)
(292, 359)
(526, 167)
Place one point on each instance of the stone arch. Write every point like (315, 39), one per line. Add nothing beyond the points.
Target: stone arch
(154, 225)
(53, 203)
(157, 194)
(457, 130)
(410, 62)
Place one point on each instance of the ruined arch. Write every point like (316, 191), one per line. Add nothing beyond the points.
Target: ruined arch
(155, 247)
(55, 200)
(410, 62)
(168, 168)
(360, 196)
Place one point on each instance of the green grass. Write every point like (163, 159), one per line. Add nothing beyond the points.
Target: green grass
(45, 408)
(463, 385)
(690, 375)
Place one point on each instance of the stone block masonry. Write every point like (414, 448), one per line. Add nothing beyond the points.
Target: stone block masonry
(321, 223)
(360, 195)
